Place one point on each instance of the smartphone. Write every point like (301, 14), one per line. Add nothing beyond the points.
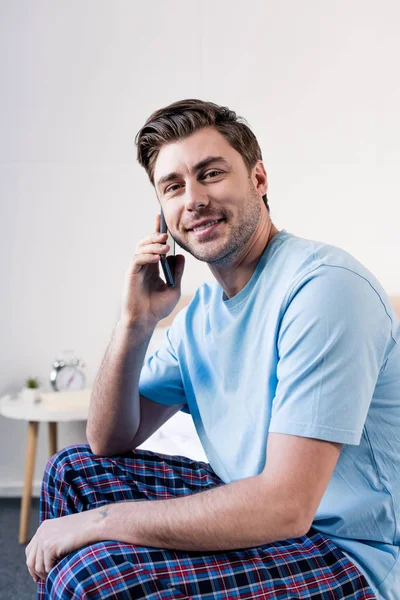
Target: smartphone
(167, 267)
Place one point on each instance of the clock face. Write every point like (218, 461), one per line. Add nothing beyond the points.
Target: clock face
(70, 378)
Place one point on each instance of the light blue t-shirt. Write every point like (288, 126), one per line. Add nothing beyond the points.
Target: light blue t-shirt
(309, 347)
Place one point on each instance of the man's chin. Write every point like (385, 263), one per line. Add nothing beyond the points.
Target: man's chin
(203, 257)
(220, 257)
(211, 252)
(200, 252)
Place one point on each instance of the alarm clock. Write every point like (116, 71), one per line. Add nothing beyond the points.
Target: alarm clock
(66, 375)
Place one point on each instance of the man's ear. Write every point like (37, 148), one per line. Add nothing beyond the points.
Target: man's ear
(260, 178)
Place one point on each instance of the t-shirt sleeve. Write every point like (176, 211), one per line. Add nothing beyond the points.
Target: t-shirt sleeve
(160, 378)
(331, 343)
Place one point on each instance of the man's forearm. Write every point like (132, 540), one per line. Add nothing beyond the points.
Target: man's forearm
(241, 514)
(114, 414)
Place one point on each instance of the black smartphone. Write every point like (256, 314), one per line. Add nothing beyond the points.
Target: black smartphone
(167, 267)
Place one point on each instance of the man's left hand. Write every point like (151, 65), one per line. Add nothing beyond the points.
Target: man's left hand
(58, 537)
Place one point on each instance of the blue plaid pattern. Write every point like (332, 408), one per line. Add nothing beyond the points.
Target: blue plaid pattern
(75, 479)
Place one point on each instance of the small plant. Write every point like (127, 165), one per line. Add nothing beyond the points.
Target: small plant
(32, 383)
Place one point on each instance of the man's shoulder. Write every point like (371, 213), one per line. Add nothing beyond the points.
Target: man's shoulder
(304, 253)
(318, 276)
(298, 258)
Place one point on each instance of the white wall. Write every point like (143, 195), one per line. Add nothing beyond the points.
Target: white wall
(317, 81)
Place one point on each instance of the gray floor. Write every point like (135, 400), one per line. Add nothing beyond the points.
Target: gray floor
(15, 581)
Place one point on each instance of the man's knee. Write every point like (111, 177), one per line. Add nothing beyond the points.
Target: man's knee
(61, 582)
(90, 571)
(65, 458)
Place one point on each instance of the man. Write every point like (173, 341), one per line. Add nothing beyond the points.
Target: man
(290, 367)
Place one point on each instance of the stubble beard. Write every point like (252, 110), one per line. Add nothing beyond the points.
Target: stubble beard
(240, 233)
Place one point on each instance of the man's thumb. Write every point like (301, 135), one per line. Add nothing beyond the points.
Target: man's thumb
(179, 268)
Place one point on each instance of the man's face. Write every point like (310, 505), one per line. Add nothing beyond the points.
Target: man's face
(194, 194)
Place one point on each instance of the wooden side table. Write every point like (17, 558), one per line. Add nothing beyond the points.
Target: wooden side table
(55, 407)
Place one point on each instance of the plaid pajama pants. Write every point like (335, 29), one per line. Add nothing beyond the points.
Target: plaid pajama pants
(75, 479)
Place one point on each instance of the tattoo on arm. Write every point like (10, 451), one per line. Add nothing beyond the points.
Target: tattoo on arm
(104, 512)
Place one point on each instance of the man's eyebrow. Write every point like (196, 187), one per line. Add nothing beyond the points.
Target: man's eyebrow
(197, 167)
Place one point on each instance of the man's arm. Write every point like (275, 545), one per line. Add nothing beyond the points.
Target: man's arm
(114, 413)
(279, 503)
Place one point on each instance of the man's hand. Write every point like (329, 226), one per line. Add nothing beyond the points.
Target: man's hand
(146, 298)
(57, 537)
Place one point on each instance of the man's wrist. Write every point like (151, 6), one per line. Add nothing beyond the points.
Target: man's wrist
(134, 332)
(97, 527)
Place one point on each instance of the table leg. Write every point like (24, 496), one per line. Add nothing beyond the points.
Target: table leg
(52, 438)
(29, 469)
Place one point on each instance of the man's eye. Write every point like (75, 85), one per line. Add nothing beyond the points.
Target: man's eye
(214, 171)
(169, 188)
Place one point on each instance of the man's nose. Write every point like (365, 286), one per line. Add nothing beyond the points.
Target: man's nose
(195, 196)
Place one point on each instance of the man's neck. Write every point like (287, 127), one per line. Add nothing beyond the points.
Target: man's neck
(234, 277)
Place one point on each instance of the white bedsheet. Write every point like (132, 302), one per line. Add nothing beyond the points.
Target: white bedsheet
(177, 436)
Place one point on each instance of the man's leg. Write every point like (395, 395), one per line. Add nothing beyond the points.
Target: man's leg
(76, 479)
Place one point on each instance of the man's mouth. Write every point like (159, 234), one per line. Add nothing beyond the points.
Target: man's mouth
(206, 225)
(202, 231)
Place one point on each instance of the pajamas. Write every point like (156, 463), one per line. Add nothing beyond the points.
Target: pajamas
(75, 479)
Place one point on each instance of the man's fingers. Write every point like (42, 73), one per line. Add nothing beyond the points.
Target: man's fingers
(144, 259)
(31, 559)
(39, 564)
(155, 238)
(32, 573)
(153, 248)
(49, 562)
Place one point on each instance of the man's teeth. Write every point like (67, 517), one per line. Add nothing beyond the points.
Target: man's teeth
(206, 225)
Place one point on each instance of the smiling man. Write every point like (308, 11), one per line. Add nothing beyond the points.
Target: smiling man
(214, 209)
(289, 365)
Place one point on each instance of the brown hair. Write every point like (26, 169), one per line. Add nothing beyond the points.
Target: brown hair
(181, 119)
